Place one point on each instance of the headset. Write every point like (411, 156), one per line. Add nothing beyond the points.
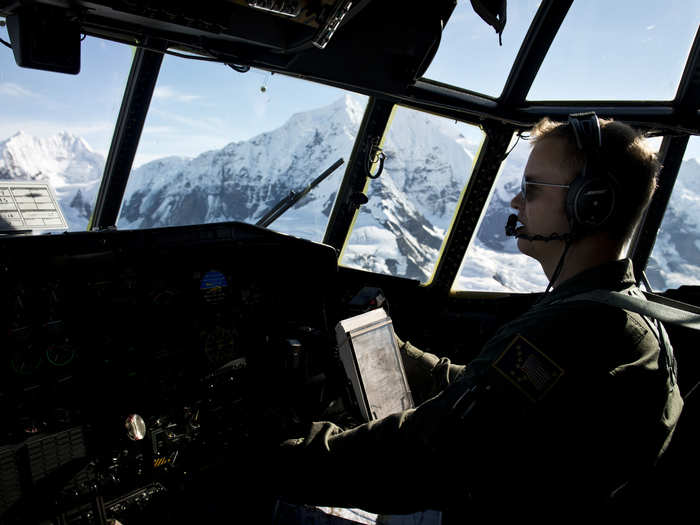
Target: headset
(590, 201)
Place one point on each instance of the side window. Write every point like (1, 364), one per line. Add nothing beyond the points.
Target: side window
(675, 260)
(57, 128)
(492, 262)
(400, 231)
(231, 148)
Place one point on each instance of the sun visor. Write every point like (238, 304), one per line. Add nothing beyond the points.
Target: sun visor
(43, 37)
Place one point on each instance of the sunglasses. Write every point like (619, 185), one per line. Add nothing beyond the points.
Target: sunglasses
(524, 184)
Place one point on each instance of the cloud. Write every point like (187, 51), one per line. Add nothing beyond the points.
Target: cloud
(168, 93)
(14, 90)
(649, 28)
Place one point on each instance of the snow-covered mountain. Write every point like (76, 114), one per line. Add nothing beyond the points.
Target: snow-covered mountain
(676, 257)
(399, 231)
(65, 161)
(243, 180)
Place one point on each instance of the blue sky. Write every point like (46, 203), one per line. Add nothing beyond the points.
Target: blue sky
(639, 52)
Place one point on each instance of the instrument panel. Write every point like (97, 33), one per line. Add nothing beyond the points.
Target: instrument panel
(131, 358)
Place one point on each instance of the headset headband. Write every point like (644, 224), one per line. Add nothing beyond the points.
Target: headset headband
(586, 130)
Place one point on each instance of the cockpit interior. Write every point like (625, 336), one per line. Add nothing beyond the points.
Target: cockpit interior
(237, 176)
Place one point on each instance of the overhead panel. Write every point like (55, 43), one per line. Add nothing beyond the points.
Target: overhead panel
(325, 15)
(623, 50)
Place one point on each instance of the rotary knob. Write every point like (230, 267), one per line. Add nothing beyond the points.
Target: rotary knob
(135, 427)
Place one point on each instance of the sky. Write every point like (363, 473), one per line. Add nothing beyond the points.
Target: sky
(639, 53)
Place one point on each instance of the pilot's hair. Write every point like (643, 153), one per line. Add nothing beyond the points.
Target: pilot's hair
(627, 157)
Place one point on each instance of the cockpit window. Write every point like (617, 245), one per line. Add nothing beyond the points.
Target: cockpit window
(636, 51)
(400, 231)
(470, 56)
(675, 260)
(57, 128)
(221, 145)
(493, 262)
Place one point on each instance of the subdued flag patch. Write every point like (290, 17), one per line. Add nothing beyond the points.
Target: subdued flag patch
(528, 368)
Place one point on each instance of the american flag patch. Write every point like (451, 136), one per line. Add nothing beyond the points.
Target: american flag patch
(526, 367)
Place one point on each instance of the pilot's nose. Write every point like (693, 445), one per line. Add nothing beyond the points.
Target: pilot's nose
(517, 201)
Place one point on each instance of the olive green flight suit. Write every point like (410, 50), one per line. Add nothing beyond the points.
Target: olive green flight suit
(563, 405)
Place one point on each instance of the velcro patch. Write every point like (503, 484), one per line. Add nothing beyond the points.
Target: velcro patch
(528, 368)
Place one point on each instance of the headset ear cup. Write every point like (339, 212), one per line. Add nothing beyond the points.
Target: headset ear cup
(571, 197)
(592, 202)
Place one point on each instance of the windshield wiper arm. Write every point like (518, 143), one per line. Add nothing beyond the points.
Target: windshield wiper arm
(291, 199)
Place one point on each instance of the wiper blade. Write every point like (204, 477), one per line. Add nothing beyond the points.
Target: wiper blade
(294, 197)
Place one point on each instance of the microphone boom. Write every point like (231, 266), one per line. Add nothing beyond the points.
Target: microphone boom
(511, 227)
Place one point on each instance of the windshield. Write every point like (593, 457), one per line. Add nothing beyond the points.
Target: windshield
(225, 145)
(411, 205)
(231, 148)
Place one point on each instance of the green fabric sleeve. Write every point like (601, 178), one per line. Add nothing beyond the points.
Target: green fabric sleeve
(427, 374)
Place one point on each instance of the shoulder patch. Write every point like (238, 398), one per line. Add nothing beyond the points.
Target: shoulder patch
(528, 368)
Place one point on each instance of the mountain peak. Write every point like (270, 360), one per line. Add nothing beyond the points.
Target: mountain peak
(344, 111)
(61, 159)
(63, 138)
(354, 107)
(347, 101)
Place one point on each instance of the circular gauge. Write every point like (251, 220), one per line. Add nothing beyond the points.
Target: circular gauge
(60, 354)
(164, 297)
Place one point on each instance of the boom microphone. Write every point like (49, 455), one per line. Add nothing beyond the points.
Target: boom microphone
(510, 232)
(510, 225)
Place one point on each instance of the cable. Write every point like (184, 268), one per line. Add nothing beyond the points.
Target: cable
(166, 52)
(240, 69)
(236, 67)
(559, 267)
(521, 135)
(379, 156)
(182, 55)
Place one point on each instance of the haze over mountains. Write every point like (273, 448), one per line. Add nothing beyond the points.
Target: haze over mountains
(399, 231)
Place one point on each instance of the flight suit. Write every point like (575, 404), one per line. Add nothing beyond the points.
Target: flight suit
(562, 406)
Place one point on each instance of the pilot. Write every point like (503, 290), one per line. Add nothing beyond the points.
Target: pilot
(564, 405)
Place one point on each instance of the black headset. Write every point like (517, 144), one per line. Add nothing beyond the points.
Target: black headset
(590, 201)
